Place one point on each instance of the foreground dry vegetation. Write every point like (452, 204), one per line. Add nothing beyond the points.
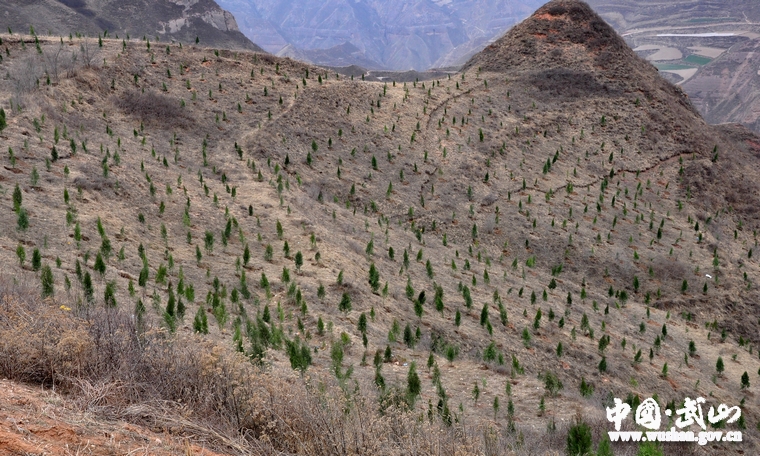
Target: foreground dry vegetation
(188, 386)
(307, 263)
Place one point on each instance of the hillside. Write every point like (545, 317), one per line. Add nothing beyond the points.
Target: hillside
(556, 211)
(167, 20)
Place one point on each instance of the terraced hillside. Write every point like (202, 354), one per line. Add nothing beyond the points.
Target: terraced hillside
(704, 46)
(490, 256)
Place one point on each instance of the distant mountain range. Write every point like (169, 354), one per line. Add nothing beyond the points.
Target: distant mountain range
(387, 34)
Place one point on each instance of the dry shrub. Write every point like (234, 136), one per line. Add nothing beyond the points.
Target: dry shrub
(152, 107)
(488, 225)
(31, 349)
(92, 179)
(112, 365)
(669, 269)
(490, 199)
(24, 75)
(557, 10)
(568, 84)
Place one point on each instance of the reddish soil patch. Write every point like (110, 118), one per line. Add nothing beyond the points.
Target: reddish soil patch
(36, 421)
(546, 17)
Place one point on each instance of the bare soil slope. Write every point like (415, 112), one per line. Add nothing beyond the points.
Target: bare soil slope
(36, 421)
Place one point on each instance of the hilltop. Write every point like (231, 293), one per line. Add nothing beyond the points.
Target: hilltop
(267, 230)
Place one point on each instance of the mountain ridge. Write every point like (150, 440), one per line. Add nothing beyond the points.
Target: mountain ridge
(181, 20)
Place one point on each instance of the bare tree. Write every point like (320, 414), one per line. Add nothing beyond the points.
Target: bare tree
(25, 76)
(70, 64)
(53, 60)
(89, 51)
